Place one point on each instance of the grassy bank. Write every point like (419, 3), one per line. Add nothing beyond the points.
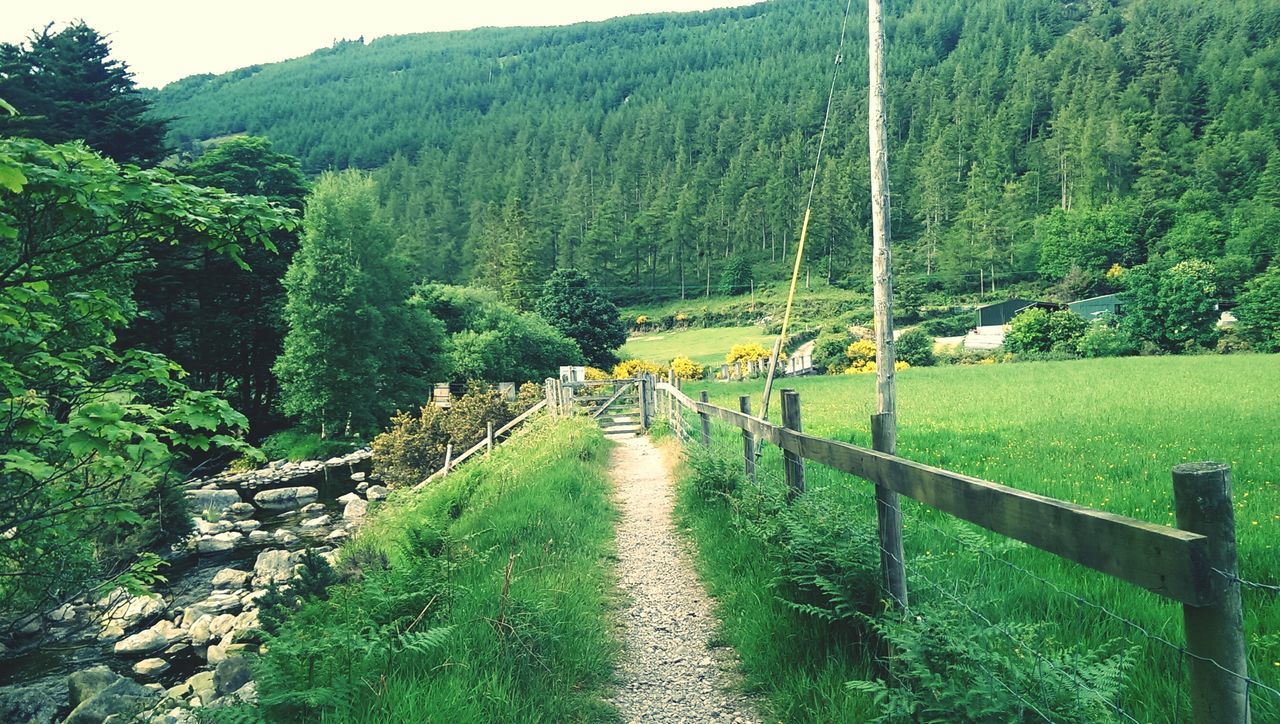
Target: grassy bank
(704, 346)
(1104, 433)
(484, 597)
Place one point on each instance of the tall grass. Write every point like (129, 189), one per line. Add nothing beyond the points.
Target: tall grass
(1103, 433)
(485, 597)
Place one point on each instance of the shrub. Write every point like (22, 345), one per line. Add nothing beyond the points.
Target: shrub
(750, 352)
(295, 444)
(412, 448)
(467, 420)
(686, 369)
(715, 477)
(1039, 330)
(829, 350)
(952, 325)
(861, 356)
(627, 369)
(595, 373)
(915, 347)
(1105, 340)
(1259, 310)
(736, 277)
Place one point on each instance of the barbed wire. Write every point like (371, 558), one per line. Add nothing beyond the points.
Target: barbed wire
(1246, 583)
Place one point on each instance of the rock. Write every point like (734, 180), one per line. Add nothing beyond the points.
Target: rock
(358, 477)
(355, 510)
(88, 683)
(121, 609)
(231, 578)
(150, 667)
(348, 498)
(259, 537)
(274, 566)
(65, 613)
(246, 621)
(230, 675)
(179, 692)
(111, 633)
(286, 498)
(219, 543)
(241, 510)
(221, 602)
(202, 685)
(250, 600)
(362, 487)
(176, 715)
(177, 648)
(312, 509)
(248, 526)
(221, 625)
(200, 630)
(120, 701)
(216, 500)
(152, 639)
(376, 492)
(285, 537)
(38, 702)
(204, 527)
(318, 522)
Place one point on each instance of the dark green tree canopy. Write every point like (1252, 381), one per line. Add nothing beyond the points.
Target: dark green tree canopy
(573, 304)
(66, 87)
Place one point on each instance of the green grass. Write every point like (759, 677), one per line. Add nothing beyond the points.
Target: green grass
(704, 346)
(542, 651)
(1103, 433)
(295, 444)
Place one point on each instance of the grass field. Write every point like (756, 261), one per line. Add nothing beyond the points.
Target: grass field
(1103, 433)
(704, 346)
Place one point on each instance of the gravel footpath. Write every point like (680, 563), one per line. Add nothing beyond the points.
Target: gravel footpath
(668, 672)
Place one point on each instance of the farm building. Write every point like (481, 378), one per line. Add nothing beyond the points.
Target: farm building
(1001, 313)
(1096, 307)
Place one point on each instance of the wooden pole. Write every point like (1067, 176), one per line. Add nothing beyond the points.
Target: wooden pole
(793, 464)
(488, 436)
(748, 440)
(889, 520)
(644, 383)
(706, 422)
(448, 459)
(1215, 633)
(881, 263)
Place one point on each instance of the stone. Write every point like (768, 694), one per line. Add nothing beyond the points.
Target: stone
(222, 602)
(349, 498)
(358, 477)
(204, 527)
(247, 693)
(274, 566)
(250, 600)
(219, 543)
(152, 639)
(121, 701)
(230, 675)
(221, 625)
(338, 536)
(111, 633)
(177, 648)
(150, 667)
(259, 537)
(65, 613)
(216, 500)
(362, 487)
(87, 683)
(376, 492)
(241, 510)
(312, 509)
(285, 537)
(318, 522)
(202, 685)
(37, 703)
(355, 509)
(248, 526)
(200, 630)
(121, 609)
(231, 578)
(286, 498)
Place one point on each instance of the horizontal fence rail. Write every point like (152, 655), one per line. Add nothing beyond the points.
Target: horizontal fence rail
(487, 443)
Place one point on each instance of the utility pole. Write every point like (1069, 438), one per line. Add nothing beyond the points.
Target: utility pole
(885, 422)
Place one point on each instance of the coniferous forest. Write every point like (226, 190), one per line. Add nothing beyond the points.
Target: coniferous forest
(1037, 140)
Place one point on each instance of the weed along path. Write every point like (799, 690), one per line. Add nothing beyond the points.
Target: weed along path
(669, 671)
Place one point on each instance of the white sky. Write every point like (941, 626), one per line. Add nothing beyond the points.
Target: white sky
(164, 40)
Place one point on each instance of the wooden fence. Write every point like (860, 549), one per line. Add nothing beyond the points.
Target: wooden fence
(490, 439)
(1194, 565)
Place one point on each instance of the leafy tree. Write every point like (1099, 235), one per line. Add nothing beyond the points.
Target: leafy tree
(735, 278)
(915, 347)
(1259, 310)
(355, 351)
(1040, 330)
(67, 88)
(1174, 308)
(573, 304)
(91, 429)
(223, 322)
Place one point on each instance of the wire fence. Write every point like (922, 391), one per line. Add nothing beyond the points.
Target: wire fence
(1058, 620)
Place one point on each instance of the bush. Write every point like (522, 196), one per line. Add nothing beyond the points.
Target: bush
(1259, 311)
(1104, 340)
(1039, 330)
(736, 277)
(630, 368)
(714, 477)
(686, 369)
(751, 352)
(915, 347)
(952, 325)
(861, 356)
(829, 351)
(294, 444)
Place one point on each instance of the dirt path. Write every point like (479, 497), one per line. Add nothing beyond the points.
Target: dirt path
(668, 672)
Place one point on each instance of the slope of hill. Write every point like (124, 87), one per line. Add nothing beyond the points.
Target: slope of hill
(1031, 139)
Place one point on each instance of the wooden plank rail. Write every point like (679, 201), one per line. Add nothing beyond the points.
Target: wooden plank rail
(1170, 562)
(608, 403)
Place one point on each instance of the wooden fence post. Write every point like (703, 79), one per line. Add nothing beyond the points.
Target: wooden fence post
(792, 464)
(1215, 633)
(448, 460)
(552, 407)
(748, 440)
(706, 422)
(643, 383)
(893, 570)
(488, 437)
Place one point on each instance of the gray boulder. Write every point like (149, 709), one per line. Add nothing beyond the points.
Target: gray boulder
(84, 685)
(231, 578)
(38, 702)
(286, 498)
(376, 492)
(123, 699)
(355, 510)
(230, 675)
(275, 566)
(151, 667)
(220, 542)
(216, 500)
